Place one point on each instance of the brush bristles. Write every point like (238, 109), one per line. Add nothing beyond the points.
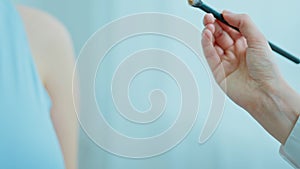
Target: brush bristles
(195, 2)
(191, 2)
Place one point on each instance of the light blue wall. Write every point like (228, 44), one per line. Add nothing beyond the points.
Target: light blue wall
(239, 142)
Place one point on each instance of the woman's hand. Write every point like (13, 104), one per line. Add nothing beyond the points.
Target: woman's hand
(242, 65)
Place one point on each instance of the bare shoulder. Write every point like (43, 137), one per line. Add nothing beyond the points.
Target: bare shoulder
(50, 43)
(41, 21)
(52, 51)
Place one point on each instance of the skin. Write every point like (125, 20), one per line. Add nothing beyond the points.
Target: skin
(52, 51)
(242, 61)
(242, 65)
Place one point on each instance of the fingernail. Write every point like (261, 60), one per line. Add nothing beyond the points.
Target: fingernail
(210, 14)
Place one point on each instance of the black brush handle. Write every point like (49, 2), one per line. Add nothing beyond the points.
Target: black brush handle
(220, 17)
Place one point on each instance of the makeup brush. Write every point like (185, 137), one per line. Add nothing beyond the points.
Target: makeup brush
(199, 4)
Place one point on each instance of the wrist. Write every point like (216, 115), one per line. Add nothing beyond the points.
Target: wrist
(277, 109)
(287, 100)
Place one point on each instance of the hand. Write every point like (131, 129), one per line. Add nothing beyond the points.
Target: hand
(242, 65)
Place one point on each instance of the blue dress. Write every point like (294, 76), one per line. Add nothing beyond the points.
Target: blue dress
(27, 136)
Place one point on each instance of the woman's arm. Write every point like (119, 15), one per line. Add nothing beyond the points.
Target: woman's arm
(242, 65)
(53, 54)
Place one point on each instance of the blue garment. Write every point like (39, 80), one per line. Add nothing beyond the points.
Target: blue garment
(27, 136)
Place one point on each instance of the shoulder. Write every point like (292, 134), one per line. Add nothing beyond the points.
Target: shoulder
(52, 51)
(41, 21)
(50, 44)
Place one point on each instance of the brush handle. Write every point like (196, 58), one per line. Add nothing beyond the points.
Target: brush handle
(275, 48)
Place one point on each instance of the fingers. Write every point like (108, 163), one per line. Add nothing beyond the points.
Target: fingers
(247, 28)
(211, 53)
(222, 38)
(208, 19)
(235, 35)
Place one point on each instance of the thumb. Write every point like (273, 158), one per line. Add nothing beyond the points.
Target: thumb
(247, 28)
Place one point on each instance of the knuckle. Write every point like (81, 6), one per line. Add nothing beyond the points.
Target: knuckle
(244, 20)
(245, 17)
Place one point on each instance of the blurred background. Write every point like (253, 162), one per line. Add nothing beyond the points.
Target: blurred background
(239, 142)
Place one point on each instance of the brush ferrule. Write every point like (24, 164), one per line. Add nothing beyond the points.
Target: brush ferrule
(198, 4)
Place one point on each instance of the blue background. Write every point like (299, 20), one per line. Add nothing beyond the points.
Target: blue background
(239, 141)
